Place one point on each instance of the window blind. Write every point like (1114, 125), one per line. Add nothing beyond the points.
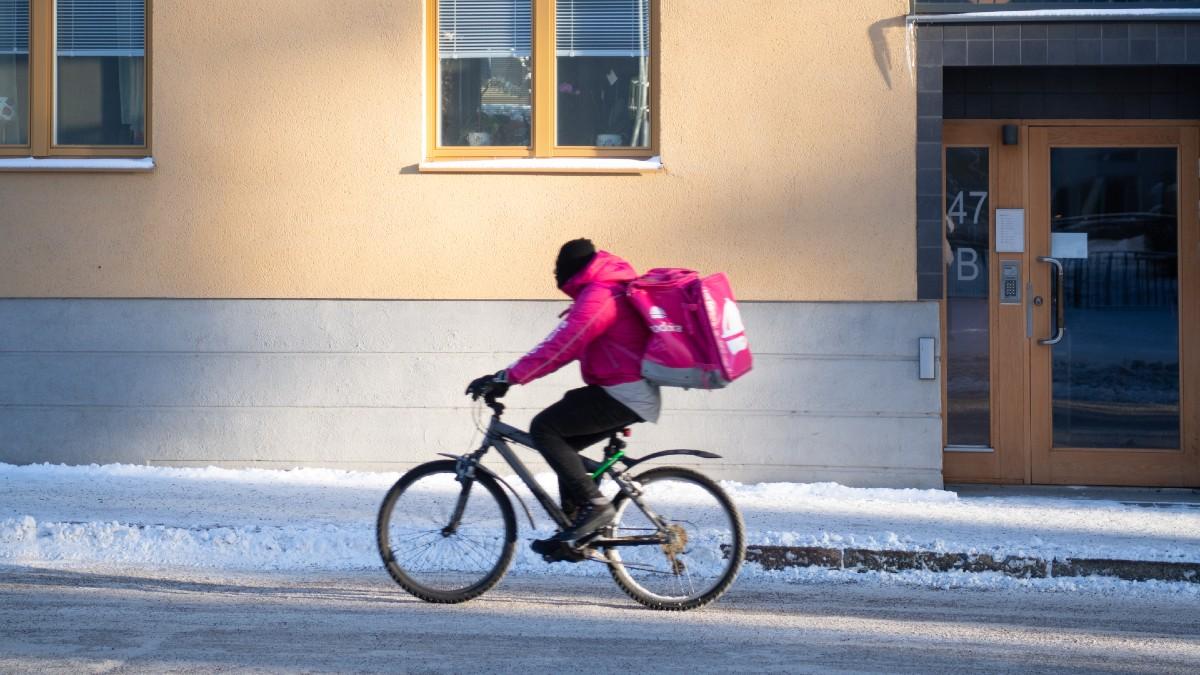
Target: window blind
(101, 27)
(603, 27)
(14, 26)
(473, 29)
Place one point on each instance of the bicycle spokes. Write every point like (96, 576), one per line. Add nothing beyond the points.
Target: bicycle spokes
(443, 533)
(693, 525)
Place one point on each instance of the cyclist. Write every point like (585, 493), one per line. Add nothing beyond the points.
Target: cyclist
(608, 336)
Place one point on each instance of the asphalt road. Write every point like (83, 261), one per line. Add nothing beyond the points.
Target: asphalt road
(175, 620)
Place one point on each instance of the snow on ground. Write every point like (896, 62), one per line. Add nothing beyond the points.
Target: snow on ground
(324, 519)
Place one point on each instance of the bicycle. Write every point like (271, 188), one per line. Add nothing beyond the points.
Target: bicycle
(447, 531)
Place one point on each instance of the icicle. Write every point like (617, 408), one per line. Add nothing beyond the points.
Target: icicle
(910, 51)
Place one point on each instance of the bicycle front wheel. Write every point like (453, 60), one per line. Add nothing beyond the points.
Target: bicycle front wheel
(703, 552)
(444, 540)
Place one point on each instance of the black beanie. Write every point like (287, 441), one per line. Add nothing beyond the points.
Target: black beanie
(572, 257)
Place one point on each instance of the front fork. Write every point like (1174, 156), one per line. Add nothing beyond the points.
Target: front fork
(464, 470)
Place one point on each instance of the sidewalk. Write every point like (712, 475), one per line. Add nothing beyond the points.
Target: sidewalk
(324, 519)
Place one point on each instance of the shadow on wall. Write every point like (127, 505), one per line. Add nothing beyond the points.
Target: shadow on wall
(883, 35)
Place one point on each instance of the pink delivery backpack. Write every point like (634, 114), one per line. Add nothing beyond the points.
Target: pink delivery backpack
(697, 339)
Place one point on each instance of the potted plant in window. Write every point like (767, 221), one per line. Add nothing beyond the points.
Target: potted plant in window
(610, 138)
(483, 131)
(614, 117)
(511, 128)
(7, 113)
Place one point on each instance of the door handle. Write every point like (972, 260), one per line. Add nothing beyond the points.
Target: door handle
(1060, 319)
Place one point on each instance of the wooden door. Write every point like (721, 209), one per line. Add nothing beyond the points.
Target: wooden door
(1114, 264)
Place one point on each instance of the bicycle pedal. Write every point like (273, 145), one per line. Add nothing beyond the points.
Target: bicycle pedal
(553, 552)
(563, 556)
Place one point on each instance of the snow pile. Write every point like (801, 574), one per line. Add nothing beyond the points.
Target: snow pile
(169, 475)
(325, 519)
(24, 540)
(767, 494)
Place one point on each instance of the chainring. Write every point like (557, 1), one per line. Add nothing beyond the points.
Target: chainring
(676, 542)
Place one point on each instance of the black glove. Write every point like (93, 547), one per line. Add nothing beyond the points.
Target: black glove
(495, 384)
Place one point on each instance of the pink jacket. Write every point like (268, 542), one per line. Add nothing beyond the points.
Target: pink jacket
(602, 329)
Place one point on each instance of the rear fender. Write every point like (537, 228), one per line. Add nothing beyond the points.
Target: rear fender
(629, 462)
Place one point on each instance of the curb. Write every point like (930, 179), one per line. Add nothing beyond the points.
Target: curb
(864, 560)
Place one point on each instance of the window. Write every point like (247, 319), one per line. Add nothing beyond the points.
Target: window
(540, 78)
(74, 78)
(14, 72)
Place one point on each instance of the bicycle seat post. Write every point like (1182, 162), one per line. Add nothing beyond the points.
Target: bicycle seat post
(615, 444)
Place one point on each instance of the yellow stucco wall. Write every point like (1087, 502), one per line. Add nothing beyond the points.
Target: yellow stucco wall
(287, 132)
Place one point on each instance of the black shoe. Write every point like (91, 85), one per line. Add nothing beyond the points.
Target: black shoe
(570, 510)
(556, 551)
(587, 521)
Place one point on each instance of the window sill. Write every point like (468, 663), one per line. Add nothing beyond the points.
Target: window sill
(576, 165)
(82, 164)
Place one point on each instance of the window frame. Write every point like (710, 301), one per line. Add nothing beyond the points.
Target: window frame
(544, 101)
(42, 84)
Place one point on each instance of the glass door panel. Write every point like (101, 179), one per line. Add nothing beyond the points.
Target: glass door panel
(1114, 228)
(968, 250)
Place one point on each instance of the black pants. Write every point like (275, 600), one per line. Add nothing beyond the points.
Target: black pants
(583, 417)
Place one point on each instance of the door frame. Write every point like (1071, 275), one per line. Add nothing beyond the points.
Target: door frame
(1005, 461)
(1012, 339)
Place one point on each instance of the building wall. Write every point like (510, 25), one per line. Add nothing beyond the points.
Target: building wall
(286, 289)
(286, 134)
(378, 385)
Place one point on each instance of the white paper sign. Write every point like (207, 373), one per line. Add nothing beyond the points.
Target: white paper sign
(1010, 230)
(1068, 245)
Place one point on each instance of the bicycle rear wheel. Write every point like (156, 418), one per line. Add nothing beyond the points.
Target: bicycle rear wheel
(704, 554)
(431, 554)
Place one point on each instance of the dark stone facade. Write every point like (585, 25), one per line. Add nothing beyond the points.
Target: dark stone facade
(1098, 70)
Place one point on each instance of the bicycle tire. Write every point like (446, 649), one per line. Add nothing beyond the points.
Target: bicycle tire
(407, 580)
(736, 555)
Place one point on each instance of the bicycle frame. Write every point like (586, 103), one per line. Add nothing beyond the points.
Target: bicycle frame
(499, 435)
